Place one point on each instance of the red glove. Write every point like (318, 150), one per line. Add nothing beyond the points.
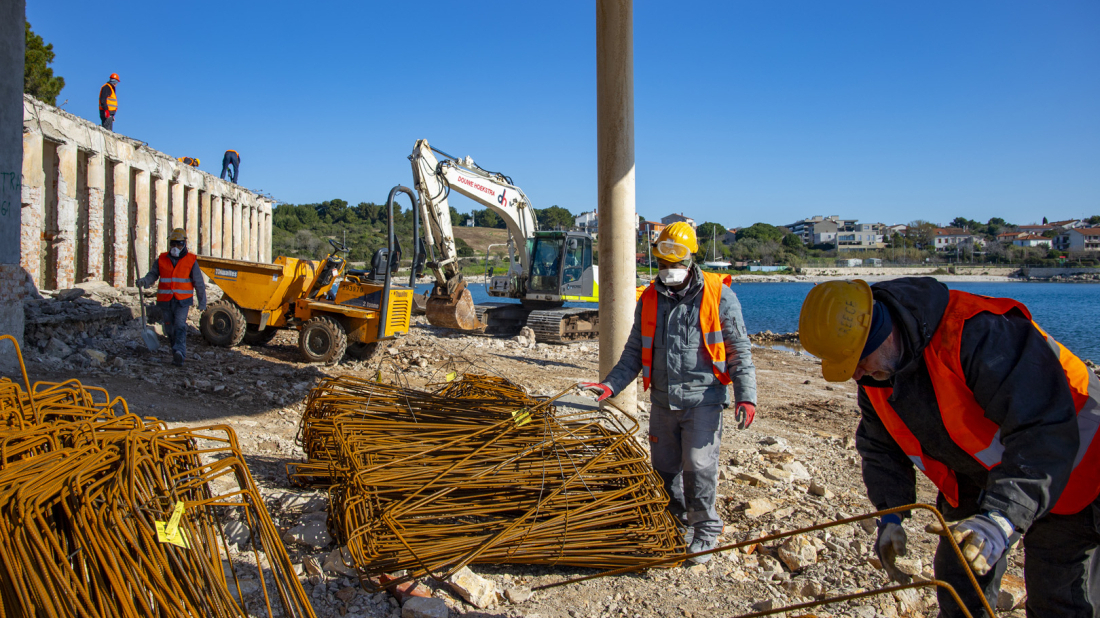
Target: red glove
(744, 413)
(602, 391)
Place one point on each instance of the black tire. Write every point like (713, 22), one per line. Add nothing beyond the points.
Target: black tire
(222, 324)
(254, 336)
(364, 352)
(323, 340)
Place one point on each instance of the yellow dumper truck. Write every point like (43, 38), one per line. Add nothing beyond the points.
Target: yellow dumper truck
(334, 308)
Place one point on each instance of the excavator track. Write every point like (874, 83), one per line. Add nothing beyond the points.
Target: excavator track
(561, 325)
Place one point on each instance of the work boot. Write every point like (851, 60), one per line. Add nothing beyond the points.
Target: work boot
(177, 358)
(698, 544)
(687, 532)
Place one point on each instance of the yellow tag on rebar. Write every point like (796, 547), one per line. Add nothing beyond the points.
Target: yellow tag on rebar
(521, 417)
(378, 376)
(451, 376)
(170, 531)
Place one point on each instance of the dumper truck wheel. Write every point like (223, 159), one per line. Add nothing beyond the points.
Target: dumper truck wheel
(363, 351)
(323, 340)
(253, 336)
(222, 324)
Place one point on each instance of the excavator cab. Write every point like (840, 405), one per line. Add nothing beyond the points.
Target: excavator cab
(561, 268)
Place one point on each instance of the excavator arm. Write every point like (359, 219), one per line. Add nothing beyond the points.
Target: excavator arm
(450, 303)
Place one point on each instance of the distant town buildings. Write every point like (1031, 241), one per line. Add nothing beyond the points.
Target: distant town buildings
(948, 238)
(587, 222)
(673, 218)
(1031, 240)
(1079, 239)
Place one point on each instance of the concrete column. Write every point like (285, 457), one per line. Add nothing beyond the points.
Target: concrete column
(238, 253)
(12, 278)
(615, 142)
(33, 211)
(216, 225)
(227, 227)
(177, 214)
(94, 247)
(192, 218)
(142, 212)
(205, 226)
(246, 230)
(265, 233)
(160, 234)
(254, 233)
(120, 256)
(65, 242)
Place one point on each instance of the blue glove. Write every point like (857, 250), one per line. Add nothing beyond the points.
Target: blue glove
(982, 538)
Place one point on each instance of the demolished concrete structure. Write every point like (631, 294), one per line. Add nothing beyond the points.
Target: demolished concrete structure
(85, 188)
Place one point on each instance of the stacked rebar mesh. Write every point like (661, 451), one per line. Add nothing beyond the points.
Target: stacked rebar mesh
(87, 497)
(479, 472)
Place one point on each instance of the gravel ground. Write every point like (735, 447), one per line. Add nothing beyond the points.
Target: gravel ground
(795, 467)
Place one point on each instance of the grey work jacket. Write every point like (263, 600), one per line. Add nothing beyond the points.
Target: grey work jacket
(683, 374)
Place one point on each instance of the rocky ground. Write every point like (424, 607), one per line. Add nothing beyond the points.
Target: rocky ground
(795, 467)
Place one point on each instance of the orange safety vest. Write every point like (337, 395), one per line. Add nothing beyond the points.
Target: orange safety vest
(708, 321)
(175, 281)
(234, 152)
(965, 420)
(112, 100)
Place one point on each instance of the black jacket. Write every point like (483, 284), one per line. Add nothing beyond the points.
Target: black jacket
(1017, 380)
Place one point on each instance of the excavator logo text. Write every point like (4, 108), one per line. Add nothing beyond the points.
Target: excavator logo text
(501, 200)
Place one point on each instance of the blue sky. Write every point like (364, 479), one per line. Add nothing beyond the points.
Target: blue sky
(744, 111)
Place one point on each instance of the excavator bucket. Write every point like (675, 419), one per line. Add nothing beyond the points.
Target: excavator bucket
(458, 313)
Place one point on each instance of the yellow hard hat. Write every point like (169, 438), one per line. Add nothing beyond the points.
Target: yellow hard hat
(676, 243)
(177, 235)
(834, 325)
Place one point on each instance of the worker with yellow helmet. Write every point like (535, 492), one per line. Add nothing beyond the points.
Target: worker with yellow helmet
(995, 412)
(180, 283)
(689, 342)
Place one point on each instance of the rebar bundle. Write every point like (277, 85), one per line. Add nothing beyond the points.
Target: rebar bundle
(104, 513)
(479, 472)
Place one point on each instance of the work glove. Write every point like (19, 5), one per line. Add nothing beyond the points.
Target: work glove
(891, 545)
(744, 412)
(983, 539)
(602, 391)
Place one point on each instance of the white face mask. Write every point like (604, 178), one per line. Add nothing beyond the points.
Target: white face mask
(174, 251)
(673, 276)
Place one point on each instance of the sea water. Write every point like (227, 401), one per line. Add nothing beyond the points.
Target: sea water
(1070, 312)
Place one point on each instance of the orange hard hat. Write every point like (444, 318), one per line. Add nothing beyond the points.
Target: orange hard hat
(115, 77)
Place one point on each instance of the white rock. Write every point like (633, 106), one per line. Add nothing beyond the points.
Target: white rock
(96, 355)
(776, 474)
(518, 594)
(797, 470)
(797, 553)
(338, 562)
(757, 507)
(237, 533)
(421, 607)
(313, 533)
(477, 590)
(820, 490)
(58, 349)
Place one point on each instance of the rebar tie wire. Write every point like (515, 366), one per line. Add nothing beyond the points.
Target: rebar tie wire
(83, 484)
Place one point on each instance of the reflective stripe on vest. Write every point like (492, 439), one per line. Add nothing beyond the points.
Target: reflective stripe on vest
(709, 322)
(112, 100)
(175, 281)
(965, 420)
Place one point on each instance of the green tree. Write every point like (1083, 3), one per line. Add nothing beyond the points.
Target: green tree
(794, 244)
(487, 218)
(38, 78)
(921, 233)
(463, 248)
(762, 232)
(710, 231)
(1094, 220)
(554, 217)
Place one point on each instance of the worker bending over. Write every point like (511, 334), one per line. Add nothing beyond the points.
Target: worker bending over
(192, 161)
(999, 415)
(108, 102)
(689, 342)
(180, 281)
(231, 158)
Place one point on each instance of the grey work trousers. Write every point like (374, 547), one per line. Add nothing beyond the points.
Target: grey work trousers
(684, 445)
(1062, 570)
(175, 324)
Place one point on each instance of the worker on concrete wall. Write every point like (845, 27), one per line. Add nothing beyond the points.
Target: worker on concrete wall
(689, 341)
(108, 102)
(180, 282)
(995, 412)
(192, 161)
(231, 158)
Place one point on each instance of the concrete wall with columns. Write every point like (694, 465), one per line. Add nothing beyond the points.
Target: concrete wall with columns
(87, 191)
(12, 277)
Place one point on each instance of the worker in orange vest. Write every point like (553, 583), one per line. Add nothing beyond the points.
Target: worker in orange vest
(180, 283)
(192, 161)
(231, 158)
(689, 341)
(994, 411)
(108, 102)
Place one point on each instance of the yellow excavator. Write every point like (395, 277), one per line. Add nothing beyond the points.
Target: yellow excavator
(547, 268)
